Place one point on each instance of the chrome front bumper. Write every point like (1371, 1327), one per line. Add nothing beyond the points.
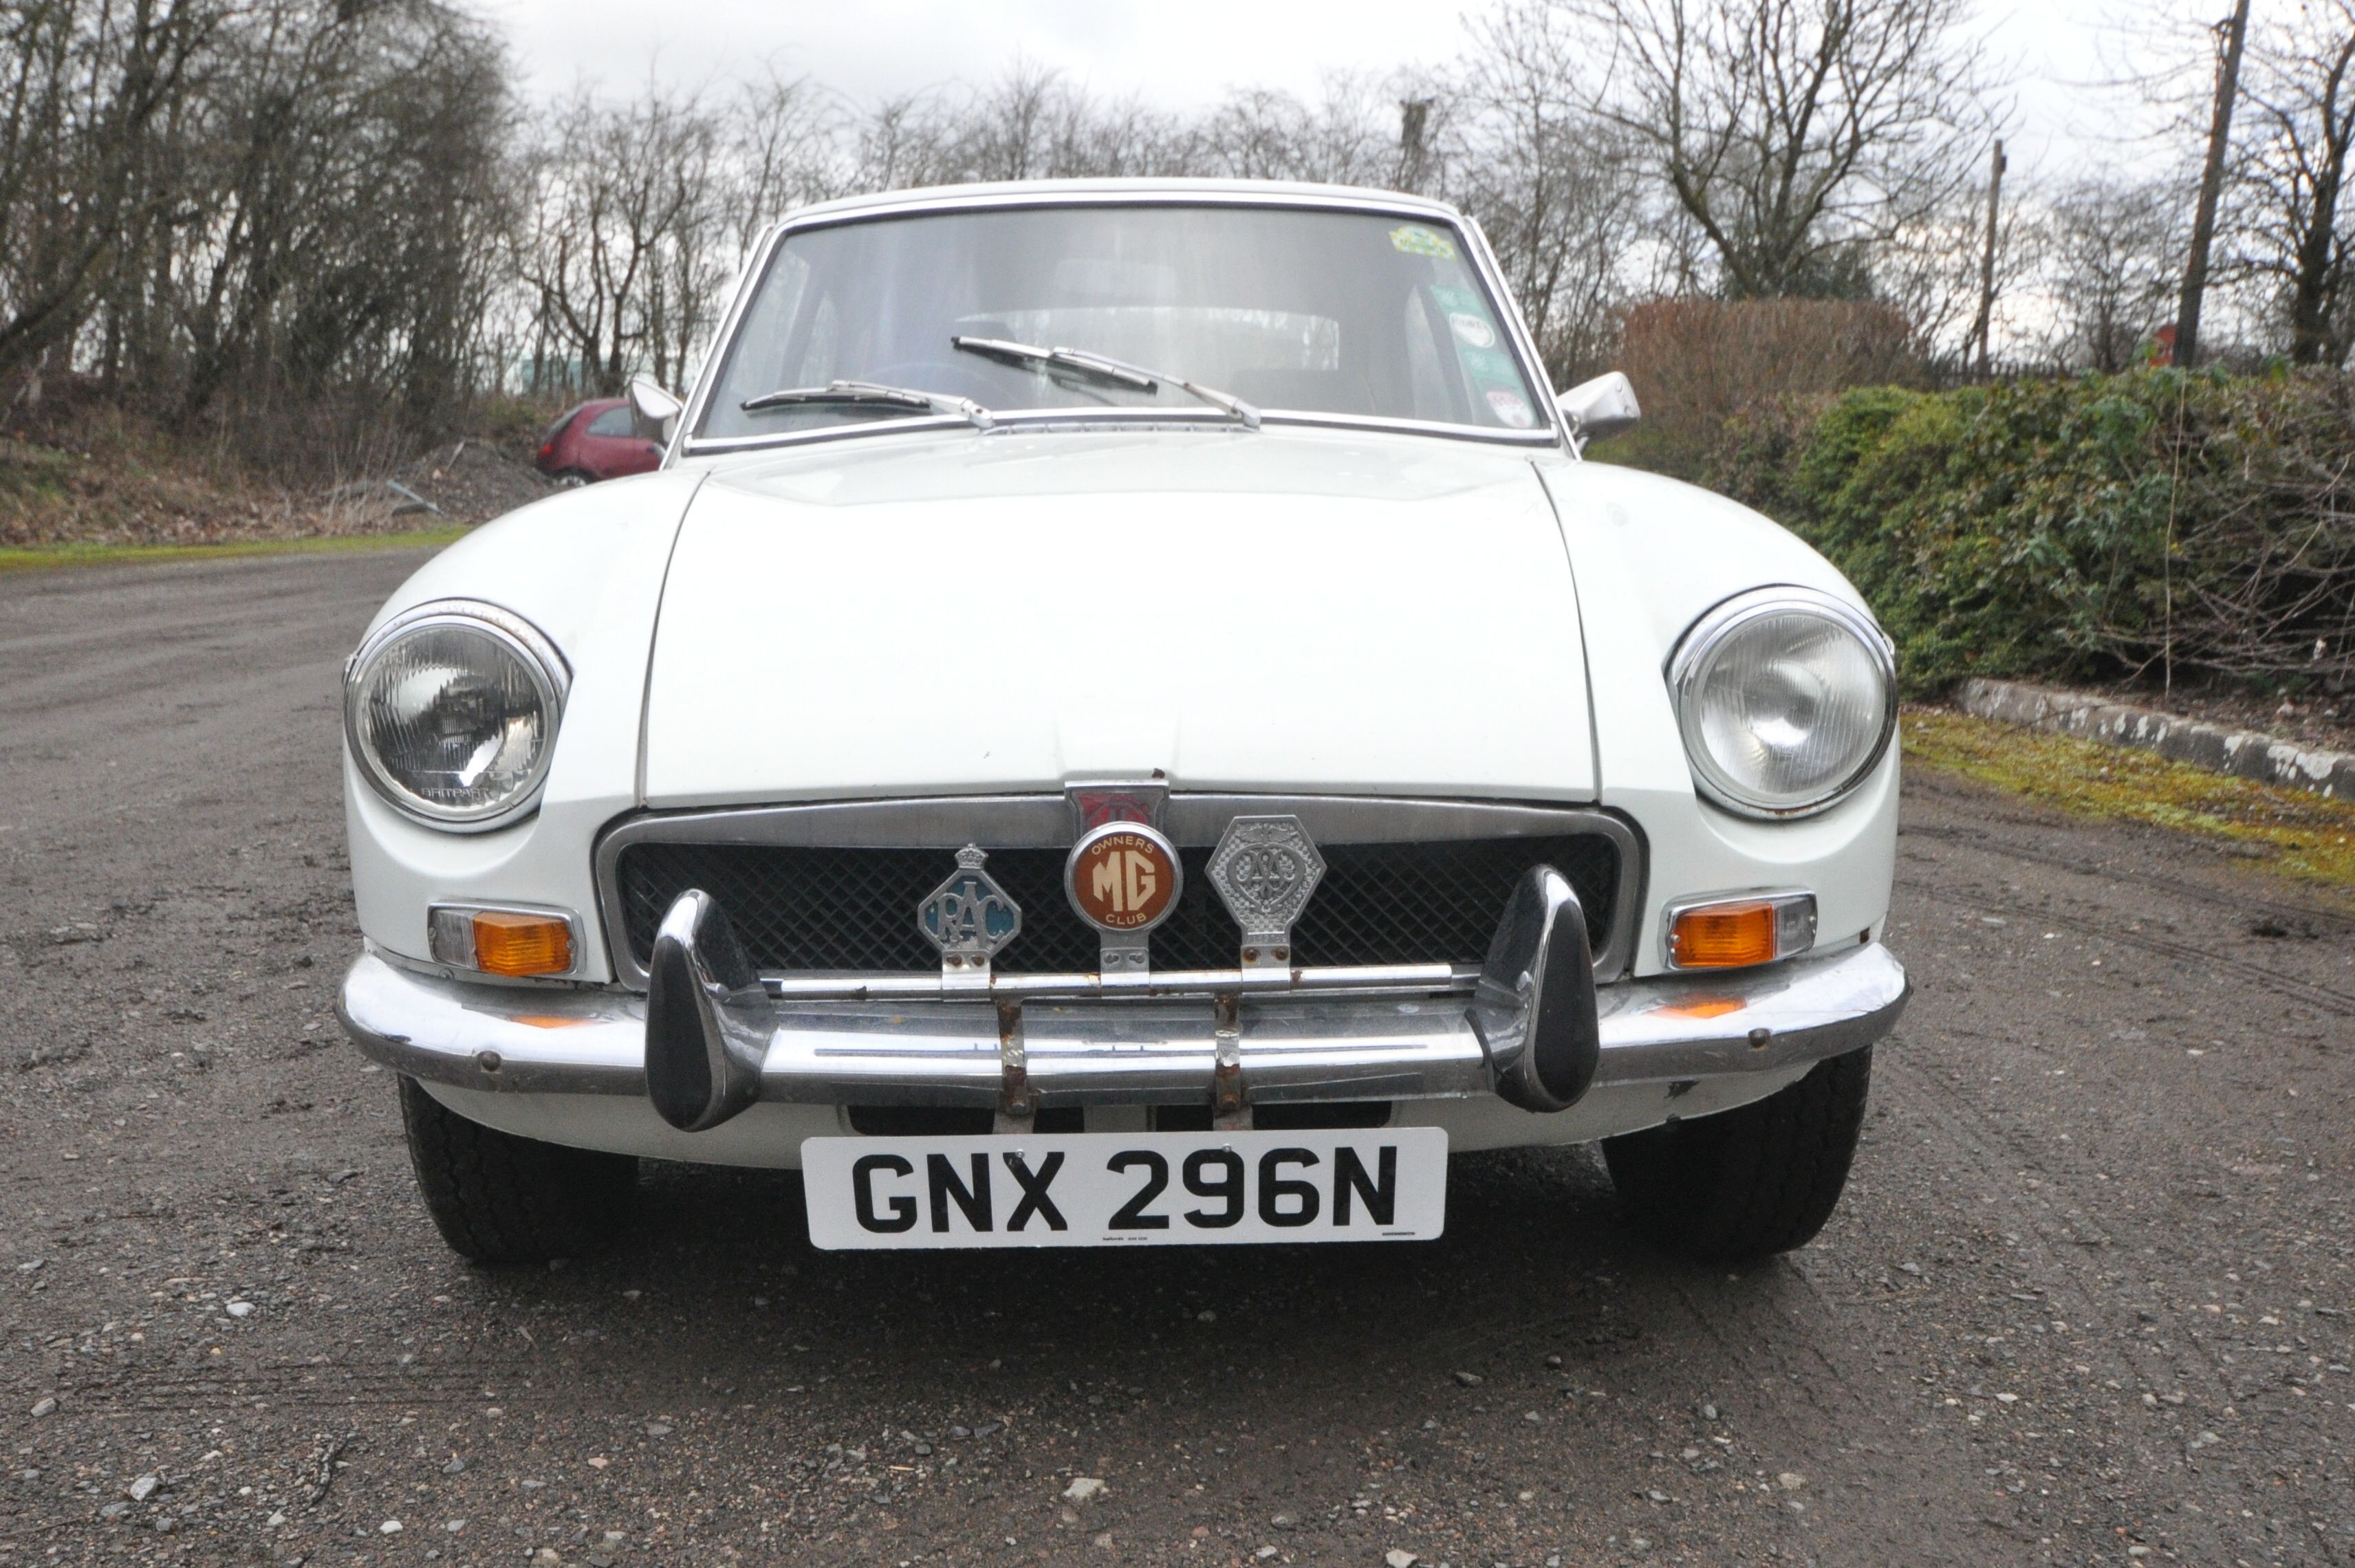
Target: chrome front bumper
(1140, 1050)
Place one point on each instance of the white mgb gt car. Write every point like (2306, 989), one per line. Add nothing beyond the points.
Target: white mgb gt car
(1125, 719)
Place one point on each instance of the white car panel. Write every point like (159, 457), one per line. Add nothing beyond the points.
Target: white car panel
(585, 567)
(1651, 556)
(955, 612)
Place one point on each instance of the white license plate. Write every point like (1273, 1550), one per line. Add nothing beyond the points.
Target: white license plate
(1126, 1189)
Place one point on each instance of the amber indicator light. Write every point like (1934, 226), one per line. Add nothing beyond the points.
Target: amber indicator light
(510, 944)
(1723, 936)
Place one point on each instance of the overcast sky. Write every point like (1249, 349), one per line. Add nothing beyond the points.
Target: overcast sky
(1186, 52)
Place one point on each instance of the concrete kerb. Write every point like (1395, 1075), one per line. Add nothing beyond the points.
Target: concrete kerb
(2243, 752)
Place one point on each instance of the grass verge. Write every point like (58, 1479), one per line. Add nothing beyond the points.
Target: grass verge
(2305, 836)
(37, 557)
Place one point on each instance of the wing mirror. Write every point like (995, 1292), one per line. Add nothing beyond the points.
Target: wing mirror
(1602, 406)
(654, 413)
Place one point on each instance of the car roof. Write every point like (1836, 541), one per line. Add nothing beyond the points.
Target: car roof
(1015, 193)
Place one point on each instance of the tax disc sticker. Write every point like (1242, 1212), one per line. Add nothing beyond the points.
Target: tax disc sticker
(1416, 241)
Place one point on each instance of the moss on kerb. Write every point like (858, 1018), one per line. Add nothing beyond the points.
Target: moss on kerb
(2305, 836)
(35, 557)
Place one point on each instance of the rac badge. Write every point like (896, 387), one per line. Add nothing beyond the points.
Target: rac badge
(1122, 878)
(969, 917)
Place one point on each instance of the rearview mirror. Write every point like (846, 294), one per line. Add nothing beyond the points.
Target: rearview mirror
(654, 413)
(1602, 406)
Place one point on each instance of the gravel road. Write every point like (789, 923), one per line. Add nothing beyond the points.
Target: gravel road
(2086, 1301)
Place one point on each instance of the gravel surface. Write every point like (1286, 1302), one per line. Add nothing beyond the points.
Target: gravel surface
(2086, 1301)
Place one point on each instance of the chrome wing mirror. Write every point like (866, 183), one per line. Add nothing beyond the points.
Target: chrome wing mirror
(654, 413)
(1602, 406)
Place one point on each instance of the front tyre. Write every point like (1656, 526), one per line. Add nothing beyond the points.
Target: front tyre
(1749, 1183)
(500, 1198)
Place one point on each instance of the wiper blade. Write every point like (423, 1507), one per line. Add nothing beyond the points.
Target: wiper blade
(873, 395)
(1103, 368)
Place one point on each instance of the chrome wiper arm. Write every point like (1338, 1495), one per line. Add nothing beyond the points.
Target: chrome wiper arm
(1105, 367)
(1012, 353)
(871, 394)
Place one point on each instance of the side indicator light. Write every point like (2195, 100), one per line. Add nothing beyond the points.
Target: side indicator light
(509, 942)
(518, 942)
(1722, 937)
(1733, 932)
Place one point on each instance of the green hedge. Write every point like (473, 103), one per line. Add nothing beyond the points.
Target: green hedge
(2093, 527)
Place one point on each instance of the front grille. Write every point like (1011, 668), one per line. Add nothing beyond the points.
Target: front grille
(854, 911)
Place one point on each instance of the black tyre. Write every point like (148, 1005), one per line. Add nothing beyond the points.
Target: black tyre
(1749, 1182)
(500, 1198)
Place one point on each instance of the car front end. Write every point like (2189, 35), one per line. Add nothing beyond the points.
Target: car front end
(923, 787)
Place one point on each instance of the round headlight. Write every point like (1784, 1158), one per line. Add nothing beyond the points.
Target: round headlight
(1786, 698)
(451, 710)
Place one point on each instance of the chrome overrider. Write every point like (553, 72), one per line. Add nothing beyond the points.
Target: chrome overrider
(710, 1037)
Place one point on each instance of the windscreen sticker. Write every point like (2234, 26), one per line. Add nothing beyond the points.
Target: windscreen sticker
(1416, 241)
(1487, 364)
(1479, 348)
(1472, 330)
(1511, 408)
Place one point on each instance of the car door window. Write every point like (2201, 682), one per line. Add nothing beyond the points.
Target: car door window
(613, 423)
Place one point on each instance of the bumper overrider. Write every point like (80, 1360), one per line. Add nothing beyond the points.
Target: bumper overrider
(711, 1037)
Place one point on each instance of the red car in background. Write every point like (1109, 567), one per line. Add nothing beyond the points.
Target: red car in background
(596, 441)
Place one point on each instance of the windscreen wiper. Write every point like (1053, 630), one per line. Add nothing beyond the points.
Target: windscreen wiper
(1103, 368)
(871, 395)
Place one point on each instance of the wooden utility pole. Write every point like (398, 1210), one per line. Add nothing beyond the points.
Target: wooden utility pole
(2235, 31)
(1983, 327)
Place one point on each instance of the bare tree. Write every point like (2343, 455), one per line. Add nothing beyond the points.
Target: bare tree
(85, 84)
(1974, 251)
(1794, 133)
(622, 259)
(2110, 270)
(2291, 225)
(290, 208)
(1348, 137)
(1558, 189)
(346, 210)
(784, 137)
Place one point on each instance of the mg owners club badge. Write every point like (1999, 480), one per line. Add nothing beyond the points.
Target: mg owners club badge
(1123, 878)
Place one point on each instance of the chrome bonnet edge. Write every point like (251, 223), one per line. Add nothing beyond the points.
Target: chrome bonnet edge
(1125, 1051)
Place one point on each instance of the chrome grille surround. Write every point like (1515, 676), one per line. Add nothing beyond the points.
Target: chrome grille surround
(1417, 851)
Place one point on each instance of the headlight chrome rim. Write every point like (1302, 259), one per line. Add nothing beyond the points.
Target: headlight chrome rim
(1695, 656)
(551, 678)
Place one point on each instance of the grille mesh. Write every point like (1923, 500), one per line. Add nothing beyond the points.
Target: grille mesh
(855, 910)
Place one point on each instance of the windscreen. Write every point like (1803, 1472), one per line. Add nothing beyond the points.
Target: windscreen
(1306, 310)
